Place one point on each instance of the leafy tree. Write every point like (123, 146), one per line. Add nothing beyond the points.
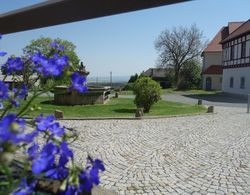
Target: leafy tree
(190, 75)
(147, 92)
(179, 46)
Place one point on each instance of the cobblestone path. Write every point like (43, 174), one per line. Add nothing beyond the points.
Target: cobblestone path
(206, 154)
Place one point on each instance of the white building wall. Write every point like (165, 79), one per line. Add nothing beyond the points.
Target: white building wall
(216, 81)
(236, 73)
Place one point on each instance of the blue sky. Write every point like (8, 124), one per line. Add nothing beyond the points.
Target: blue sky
(124, 43)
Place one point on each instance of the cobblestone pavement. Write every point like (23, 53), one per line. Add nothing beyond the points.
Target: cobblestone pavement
(205, 154)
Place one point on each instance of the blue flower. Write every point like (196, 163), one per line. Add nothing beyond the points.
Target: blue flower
(15, 103)
(2, 53)
(98, 164)
(23, 92)
(78, 82)
(90, 176)
(53, 66)
(13, 65)
(62, 61)
(46, 159)
(33, 151)
(70, 190)
(43, 124)
(88, 179)
(56, 130)
(4, 90)
(24, 188)
(50, 68)
(53, 44)
(12, 130)
(57, 46)
(65, 150)
(58, 172)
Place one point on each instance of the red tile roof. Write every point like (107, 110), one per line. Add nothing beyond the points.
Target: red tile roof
(214, 45)
(243, 29)
(214, 69)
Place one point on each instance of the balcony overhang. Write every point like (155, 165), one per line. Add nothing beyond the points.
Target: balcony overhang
(54, 12)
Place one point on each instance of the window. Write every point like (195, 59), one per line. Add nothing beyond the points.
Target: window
(235, 52)
(231, 82)
(248, 48)
(239, 51)
(232, 53)
(243, 50)
(242, 82)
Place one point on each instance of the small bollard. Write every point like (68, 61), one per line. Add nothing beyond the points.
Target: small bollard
(248, 103)
(199, 102)
(210, 109)
(58, 114)
(116, 94)
(139, 113)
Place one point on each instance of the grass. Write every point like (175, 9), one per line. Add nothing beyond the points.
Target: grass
(120, 107)
(190, 91)
(173, 90)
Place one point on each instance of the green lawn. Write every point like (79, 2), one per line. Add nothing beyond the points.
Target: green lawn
(120, 107)
(190, 91)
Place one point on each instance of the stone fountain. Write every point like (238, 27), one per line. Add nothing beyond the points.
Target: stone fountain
(94, 95)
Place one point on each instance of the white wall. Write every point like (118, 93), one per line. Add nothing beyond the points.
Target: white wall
(236, 73)
(211, 58)
(216, 81)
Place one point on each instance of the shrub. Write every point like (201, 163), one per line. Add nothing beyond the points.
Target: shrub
(128, 87)
(147, 93)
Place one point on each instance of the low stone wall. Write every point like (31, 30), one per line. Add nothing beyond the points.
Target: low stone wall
(93, 96)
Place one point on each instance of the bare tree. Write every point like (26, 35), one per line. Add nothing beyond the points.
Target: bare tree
(179, 46)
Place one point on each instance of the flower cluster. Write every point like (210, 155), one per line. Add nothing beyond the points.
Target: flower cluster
(54, 159)
(52, 66)
(78, 82)
(13, 65)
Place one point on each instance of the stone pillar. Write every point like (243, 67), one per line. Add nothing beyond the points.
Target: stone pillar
(139, 113)
(210, 109)
(58, 114)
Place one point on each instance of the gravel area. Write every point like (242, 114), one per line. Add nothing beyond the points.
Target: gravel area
(204, 154)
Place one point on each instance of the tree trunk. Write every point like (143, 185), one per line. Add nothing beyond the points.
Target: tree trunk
(176, 77)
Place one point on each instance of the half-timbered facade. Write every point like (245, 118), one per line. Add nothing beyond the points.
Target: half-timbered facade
(236, 61)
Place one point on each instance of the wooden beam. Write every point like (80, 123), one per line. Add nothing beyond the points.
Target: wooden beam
(55, 12)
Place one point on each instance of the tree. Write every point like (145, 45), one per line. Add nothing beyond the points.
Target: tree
(133, 78)
(147, 92)
(190, 75)
(179, 46)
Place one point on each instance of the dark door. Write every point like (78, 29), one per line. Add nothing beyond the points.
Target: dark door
(208, 83)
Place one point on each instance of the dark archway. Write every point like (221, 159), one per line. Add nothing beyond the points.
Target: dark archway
(208, 83)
